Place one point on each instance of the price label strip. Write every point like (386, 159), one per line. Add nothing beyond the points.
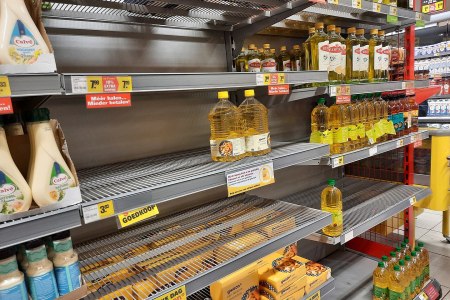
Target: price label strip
(392, 17)
(348, 236)
(176, 294)
(138, 215)
(377, 7)
(337, 162)
(373, 150)
(270, 78)
(99, 211)
(400, 143)
(101, 84)
(356, 3)
(335, 2)
(251, 178)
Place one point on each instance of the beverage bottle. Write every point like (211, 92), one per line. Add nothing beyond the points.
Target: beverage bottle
(393, 260)
(408, 247)
(320, 128)
(386, 57)
(380, 282)
(398, 253)
(364, 119)
(343, 68)
(412, 279)
(307, 62)
(378, 59)
(364, 56)
(319, 49)
(405, 274)
(426, 261)
(331, 201)
(241, 62)
(269, 62)
(406, 115)
(227, 137)
(385, 106)
(396, 285)
(256, 125)
(359, 115)
(417, 271)
(284, 60)
(370, 108)
(405, 250)
(352, 57)
(334, 55)
(261, 55)
(414, 113)
(296, 58)
(253, 59)
(273, 52)
(401, 110)
(374, 44)
(338, 118)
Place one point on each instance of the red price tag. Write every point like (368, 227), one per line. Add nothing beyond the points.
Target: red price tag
(108, 100)
(6, 107)
(343, 99)
(110, 84)
(274, 78)
(279, 89)
(418, 144)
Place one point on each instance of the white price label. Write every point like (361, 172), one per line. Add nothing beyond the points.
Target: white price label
(403, 85)
(336, 2)
(393, 11)
(90, 214)
(337, 162)
(259, 79)
(377, 7)
(412, 200)
(249, 179)
(373, 150)
(413, 138)
(400, 143)
(422, 296)
(348, 236)
(356, 3)
(419, 16)
(79, 84)
(333, 90)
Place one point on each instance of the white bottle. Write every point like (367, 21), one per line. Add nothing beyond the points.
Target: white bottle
(49, 175)
(15, 194)
(20, 40)
(12, 283)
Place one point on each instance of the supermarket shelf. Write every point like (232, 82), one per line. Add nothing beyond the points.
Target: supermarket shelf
(150, 181)
(161, 82)
(189, 238)
(30, 227)
(442, 119)
(366, 204)
(421, 179)
(384, 86)
(439, 54)
(34, 84)
(447, 96)
(338, 160)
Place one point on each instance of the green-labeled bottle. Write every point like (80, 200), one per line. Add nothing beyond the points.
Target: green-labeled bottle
(380, 282)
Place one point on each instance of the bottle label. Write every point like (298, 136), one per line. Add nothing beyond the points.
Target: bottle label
(322, 137)
(336, 216)
(371, 136)
(334, 50)
(257, 142)
(389, 127)
(409, 119)
(68, 278)
(254, 65)
(286, 65)
(43, 287)
(352, 132)
(386, 58)
(379, 292)
(323, 55)
(393, 295)
(269, 65)
(298, 65)
(356, 51)
(379, 129)
(340, 135)
(60, 181)
(343, 58)
(361, 130)
(17, 292)
(399, 122)
(229, 147)
(364, 62)
(23, 47)
(11, 197)
(378, 57)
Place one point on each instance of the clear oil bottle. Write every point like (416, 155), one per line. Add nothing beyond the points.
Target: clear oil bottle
(331, 201)
(319, 49)
(334, 55)
(307, 62)
(353, 57)
(338, 118)
(380, 282)
(364, 56)
(343, 66)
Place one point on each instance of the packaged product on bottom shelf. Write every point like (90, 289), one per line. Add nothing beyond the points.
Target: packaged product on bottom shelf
(316, 274)
(283, 274)
(294, 291)
(125, 293)
(240, 285)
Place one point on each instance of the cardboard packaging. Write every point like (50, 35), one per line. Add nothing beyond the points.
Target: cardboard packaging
(293, 292)
(316, 274)
(284, 273)
(242, 284)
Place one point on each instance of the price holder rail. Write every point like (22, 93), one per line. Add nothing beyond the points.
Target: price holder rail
(25, 85)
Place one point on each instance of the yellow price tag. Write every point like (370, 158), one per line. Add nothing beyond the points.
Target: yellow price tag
(439, 5)
(176, 294)
(137, 215)
(356, 3)
(377, 7)
(125, 84)
(5, 89)
(419, 16)
(412, 200)
(266, 79)
(316, 296)
(105, 209)
(338, 162)
(95, 84)
(281, 78)
(393, 11)
(426, 9)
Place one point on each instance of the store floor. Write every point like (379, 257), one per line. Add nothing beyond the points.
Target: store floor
(353, 272)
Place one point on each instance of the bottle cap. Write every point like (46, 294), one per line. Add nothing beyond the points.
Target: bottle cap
(7, 253)
(11, 119)
(360, 31)
(261, 50)
(380, 32)
(283, 48)
(37, 115)
(421, 244)
(401, 262)
(407, 257)
(397, 268)
(338, 30)
(417, 249)
(403, 245)
(381, 264)
(266, 46)
(249, 93)
(331, 182)
(398, 249)
(331, 27)
(321, 101)
(33, 244)
(413, 253)
(223, 95)
(351, 30)
(252, 46)
(319, 25)
(296, 47)
(242, 49)
(311, 30)
(384, 258)
(393, 254)
(373, 31)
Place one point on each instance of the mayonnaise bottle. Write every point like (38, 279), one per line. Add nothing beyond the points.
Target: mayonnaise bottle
(12, 283)
(13, 125)
(15, 194)
(40, 276)
(49, 175)
(20, 39)
(65, 261)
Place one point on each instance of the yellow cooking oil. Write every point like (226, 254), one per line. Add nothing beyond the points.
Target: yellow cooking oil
(352, 57)
(354, 120)
(255, 124)
(370, 118)
(319, 49)
(360, 115)
(307, 62)
(397, 284)
(405, 275)
(343, 67)
(374, 44)
(331, 201)
(227, 138)
(364, 56)
(320, 127)
(425, 261)
(338, 118)
(241, 62)
(380, 282)
(378, 120)
(334, 55)
(296, 58)
(363, 120)
(410, 270)
(417, 271)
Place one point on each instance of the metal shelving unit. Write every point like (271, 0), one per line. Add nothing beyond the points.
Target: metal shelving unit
(442, 119)
(439, 54)
(366, 204)
(23, 85)
(440, 97)
(196, 241)
(150, 181)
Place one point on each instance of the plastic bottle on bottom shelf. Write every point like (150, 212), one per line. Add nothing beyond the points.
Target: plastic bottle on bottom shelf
(331, 201)
(397, 284)
(374, 55)
(338, 118)
(12, 281)
(380, 282)
(15, 193)
(417, 271)
(412, 278)
(50, 176)
(404, 250)
(404, 273)
(284, 60)
(256, 125)
(227, 138)
(425, 256)
(13, 125)
(320, 127)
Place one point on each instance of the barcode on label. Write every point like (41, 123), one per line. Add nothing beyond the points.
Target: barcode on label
(79, 84)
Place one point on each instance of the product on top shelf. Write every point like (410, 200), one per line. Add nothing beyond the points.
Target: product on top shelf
(331, 201)
(253, 59)
(353, 56)
(49, 175)
(284, 60)
(307, 51)
(319, 49)
(364, 55)
(338, 122)
(12, 281)
(375, 56)
(386, 50)
(320, 128)
(397, 284)
(296, 58)
(227, 138)
(15, 193)
(380, 282)
(20, 42)
(241, 62)
(269, 60)
(256, 125)
(40, 276)
(334, 55)
(343, 64)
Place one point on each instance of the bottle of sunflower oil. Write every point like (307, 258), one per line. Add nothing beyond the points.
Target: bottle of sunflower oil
(253, 59)
(353, 113)
(359, 122)
(342, 70)
(319, 49)
(385, 260)
(370, 108)
(393, 260)
(284, 60)
(347, 121)
(334, 55)
(364, 56)
(405, 274)
(256, 125)
(331, 201)
(353, 56)
(378, 121)
(296, 58)
(425, 260)
(363, 113)
(380, 282)
(227, 138)
(241, 62)
(412, 279)
(385, 116)
(307, 61)
(421, 265)
(337, 121)
(397, 284)
(269, 62)
(417, 271)
(320, 128)
(374, 45)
